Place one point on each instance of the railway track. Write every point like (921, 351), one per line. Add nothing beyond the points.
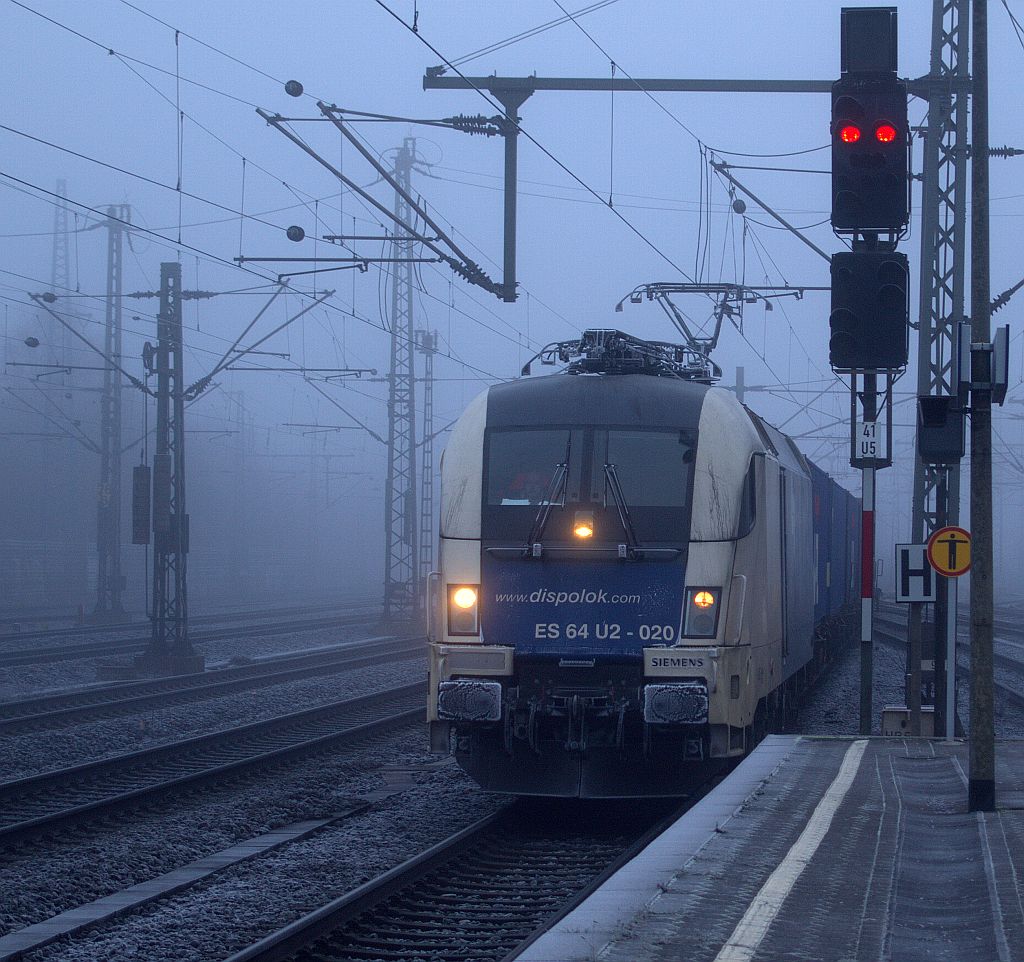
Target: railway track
(109, 701)
(481, 894)
(54, 801)
(1001, 626)
(8, 634)
(125, 646)
(893, 632)
(892, 626)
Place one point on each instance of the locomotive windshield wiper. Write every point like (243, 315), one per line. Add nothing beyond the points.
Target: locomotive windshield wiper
(611, 478)
(556, 492)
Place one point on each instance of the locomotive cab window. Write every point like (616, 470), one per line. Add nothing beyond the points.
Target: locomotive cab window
(748, 502)
(523, 466)
(653, 466)
(649, 473)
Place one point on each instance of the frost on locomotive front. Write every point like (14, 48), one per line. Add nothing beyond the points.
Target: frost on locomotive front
(627, 580)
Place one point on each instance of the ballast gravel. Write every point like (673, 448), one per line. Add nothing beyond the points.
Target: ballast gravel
(32, 752)
(239, 904)
(833, 708)
(29, 680)
(1008, 714)
(245, 902)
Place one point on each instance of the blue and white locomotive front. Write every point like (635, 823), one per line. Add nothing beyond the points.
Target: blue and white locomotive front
(617, 459)
(589, 531)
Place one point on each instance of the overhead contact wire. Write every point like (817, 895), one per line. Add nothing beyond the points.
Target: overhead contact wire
(533, 140)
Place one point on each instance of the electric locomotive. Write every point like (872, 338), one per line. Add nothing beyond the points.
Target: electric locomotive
(636, 573)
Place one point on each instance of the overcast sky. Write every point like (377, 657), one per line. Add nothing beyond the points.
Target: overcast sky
(102, 82)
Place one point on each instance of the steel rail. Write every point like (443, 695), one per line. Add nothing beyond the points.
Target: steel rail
(480, 895)
(963, 644)
(44, 656)
(51, 801)
(1000, 624)
(230, 615)
(1012, 695)
(109, 701)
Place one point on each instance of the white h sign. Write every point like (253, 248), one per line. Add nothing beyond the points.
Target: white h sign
(915, 579)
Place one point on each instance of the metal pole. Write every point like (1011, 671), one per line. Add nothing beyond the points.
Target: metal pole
(867, 570)
(936, 491)
(170, 520)
(500, 87)
(400, 523)
(239, 551)
(867, 560)
(914, 674)
(109, 581)
(981, 792)
(426, 342)
(951, 593)
(511, 168)
(511, 101)
(162, 465)
(723, 169)
(179, 516)
(943, 596)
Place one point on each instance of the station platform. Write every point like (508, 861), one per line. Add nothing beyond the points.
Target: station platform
(825, 850)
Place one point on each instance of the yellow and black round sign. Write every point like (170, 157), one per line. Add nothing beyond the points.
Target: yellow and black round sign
(949, 551)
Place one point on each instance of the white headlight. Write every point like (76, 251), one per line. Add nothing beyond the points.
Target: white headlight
(463, 610)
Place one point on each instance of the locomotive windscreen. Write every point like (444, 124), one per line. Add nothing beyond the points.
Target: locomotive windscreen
(577, 468)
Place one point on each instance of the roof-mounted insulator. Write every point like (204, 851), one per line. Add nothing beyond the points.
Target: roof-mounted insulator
(600, 351)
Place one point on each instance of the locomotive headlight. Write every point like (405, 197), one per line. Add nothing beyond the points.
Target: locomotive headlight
(463, 610)
(583, 524)
(464, 597)
(702, 606)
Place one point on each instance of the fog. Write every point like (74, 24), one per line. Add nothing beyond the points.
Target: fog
(285, 471)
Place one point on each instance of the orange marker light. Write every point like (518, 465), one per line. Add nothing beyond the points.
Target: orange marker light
(885, 133)
(583, 524)
(703, 599)
(849, 134)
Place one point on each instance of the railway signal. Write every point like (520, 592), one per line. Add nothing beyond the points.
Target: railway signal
(870, 196)
(868, 322)
(870, 133)
(870, 186)
(869, 318)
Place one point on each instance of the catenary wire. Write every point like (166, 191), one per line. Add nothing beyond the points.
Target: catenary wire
(533, 140)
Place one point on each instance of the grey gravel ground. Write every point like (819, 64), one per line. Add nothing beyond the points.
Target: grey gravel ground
(1009, 717)
(29, 753)
(234, 906)
(55, 875)
(239, 905)
(833, 708)
(28, 680)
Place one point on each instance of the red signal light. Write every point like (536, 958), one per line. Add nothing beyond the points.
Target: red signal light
(849, 134)
(885, 133)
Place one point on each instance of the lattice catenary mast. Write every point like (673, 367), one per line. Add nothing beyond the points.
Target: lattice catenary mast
(400, 523)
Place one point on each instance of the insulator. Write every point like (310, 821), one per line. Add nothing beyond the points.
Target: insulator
(476, 124)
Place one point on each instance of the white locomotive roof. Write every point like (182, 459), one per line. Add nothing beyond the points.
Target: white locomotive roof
(620, 399)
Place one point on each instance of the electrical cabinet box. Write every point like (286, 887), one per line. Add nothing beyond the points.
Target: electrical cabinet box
(940, 430)
(896, 721)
